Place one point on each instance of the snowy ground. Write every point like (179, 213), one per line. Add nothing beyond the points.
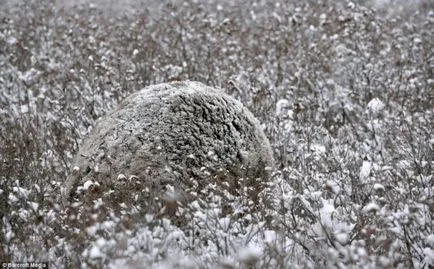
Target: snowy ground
(345, 92)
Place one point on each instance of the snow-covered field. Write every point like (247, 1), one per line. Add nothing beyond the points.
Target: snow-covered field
(344, 91)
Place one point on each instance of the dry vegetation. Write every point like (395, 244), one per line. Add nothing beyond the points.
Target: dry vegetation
(344, 91)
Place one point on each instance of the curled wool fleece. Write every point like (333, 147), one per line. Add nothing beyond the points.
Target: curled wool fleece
(182, 135)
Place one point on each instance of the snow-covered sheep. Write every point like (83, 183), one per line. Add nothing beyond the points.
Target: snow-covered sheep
(168, 141)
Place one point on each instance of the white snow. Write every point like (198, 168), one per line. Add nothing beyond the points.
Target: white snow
(227, 262)
(22, 193)
(375, 106)
(249, 254)
(282, 107)
(270, 236)
(87, 185)
(404, 164)
(34, 206)
(342, 238)
(311, 191)
(12, 198)
(365, 170)
(429, 255)
(378, 187)
(121, 177)
(372, 206)
(430, 240)
(333, 186)
(24, 109)
(24, 214)
(9, 235)
(38, 189)
(326, 214)
(29, 75)
(11, 40)
(341, 50)
(318, 148)
(225, 223)
(95, 252)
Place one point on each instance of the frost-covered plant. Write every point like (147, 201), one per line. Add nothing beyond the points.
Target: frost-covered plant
(343, 90)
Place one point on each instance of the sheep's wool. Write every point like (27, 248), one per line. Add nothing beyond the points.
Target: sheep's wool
(179, 136)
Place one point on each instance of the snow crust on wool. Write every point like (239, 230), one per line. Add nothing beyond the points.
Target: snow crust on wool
(182, 134)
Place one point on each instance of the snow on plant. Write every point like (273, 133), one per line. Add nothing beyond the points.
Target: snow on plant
(343, 91)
